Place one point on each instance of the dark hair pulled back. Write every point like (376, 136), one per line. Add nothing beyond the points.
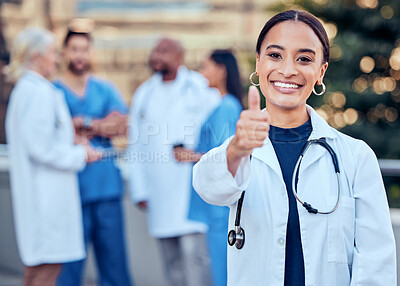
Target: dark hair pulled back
(297, 16)
(228, 60)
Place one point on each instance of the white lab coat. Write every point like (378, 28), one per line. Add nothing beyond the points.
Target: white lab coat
(352, 246)
(163, 114)
(43, 166)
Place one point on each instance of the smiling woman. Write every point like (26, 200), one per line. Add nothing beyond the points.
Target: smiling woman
(288, 68)
(349, 240)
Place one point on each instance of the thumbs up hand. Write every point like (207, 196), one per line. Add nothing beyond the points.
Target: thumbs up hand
(251, 130)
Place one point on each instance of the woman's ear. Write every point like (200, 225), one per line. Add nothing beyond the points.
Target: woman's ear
(257, 62)
(223, 70)
(34, 59)
(324, 67)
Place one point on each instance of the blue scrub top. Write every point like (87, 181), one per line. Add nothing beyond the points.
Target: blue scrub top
(100, 180)
(220, 125)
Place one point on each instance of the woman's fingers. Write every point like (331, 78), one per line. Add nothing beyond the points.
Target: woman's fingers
(255, 115)
(251, 129)
(254, 99)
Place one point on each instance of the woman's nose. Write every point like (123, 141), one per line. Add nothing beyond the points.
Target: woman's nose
(288, 68)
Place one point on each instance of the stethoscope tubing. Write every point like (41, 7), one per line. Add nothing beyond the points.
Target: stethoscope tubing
(322, 142)
(306, 205)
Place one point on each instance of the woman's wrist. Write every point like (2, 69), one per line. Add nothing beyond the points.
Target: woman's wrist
(232, 158)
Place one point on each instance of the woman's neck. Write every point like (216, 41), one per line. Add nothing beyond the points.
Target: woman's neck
(36, 69)
(287, 118)
(222, 89)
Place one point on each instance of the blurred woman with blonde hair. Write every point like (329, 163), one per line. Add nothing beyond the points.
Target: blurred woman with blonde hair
(43, 161)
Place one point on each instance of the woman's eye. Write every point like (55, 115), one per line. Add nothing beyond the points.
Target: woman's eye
(305, 59)
(274, 55)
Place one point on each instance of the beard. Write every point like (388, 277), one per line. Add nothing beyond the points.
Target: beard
(78, 71)
(163, 71)
(159, 67)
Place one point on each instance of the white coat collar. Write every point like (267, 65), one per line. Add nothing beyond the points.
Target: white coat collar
(179, 79)
(321, 129)
(32, 75)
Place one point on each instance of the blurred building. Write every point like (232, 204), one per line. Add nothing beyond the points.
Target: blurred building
(126, 30)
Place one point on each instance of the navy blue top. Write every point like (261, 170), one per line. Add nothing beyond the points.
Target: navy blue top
(288, 144)
(100, 180)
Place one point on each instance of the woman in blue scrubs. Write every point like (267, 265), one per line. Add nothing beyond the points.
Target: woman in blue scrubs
(221, 70)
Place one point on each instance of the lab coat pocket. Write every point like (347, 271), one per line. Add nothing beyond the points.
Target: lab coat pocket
(341, 231)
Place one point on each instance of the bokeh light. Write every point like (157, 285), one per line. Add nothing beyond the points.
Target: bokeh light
(367, 64)
(371, 4)
(381, 85)
(337, 99)
(331, 29)
(394, 60)
(350, 116)
(322, 113)
(391, 114)
(387, 12)
(360, 85)
(395, 94)
(336, 53)
(321, 2)
(338, 119)
(395, 74)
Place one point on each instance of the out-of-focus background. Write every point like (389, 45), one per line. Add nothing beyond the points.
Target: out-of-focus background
(363, 90)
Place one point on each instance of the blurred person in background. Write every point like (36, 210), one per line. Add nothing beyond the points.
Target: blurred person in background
(222, 72)
(98, 112)
(168, 109)
(43, 161)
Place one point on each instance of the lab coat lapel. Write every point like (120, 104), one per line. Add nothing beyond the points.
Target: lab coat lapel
(267, 154)
(321, 129)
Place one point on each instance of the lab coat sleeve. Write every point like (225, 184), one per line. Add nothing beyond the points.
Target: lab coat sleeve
(213, 181)
(374, 260)
(137, 168)
(40, 136)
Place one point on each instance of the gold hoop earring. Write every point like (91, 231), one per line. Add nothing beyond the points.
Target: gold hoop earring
(251, 79)
(322, 92)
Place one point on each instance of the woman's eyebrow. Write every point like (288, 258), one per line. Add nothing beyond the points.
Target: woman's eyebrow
(303, 50)
(276, 47)
(307, 51)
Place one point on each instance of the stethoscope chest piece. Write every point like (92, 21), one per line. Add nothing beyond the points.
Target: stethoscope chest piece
(236, 237)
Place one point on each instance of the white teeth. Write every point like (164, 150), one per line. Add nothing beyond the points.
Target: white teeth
(285, 85)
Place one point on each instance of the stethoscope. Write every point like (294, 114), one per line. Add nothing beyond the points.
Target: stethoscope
(236, 236)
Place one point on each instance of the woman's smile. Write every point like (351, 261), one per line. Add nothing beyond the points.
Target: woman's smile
(286, 87)
(289, 66)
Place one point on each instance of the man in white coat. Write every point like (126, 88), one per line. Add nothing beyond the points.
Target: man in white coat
(43, 162)
(168, 109)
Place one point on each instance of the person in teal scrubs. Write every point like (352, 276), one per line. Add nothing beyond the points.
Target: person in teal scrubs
(221, 70)
(99, 114)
